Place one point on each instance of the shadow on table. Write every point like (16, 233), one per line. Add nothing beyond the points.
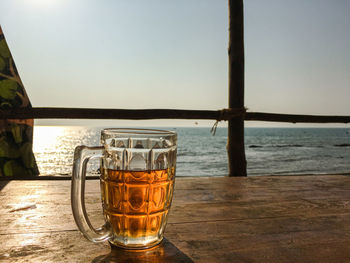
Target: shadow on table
(164, 252)
(3, 184)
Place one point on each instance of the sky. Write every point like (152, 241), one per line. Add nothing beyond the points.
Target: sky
(136, 54)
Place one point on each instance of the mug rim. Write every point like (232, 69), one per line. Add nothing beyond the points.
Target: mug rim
(137, 131)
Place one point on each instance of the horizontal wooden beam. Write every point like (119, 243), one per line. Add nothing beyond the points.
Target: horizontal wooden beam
(146, 114)
(88, 113)
(295, 118)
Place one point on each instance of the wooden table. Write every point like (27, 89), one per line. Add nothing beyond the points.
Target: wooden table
(222, 219)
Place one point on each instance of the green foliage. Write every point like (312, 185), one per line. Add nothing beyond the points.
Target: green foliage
(14, 168)
(28, 133)
(8, 89)
(16, 155)
(16, 133)
(4, 50)
(2, 64)
(27, 155)
(5, 105)
(8, 149)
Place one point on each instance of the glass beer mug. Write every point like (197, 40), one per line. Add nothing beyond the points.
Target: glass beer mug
(137, 183)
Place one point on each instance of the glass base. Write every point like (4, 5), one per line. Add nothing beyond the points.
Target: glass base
(135, 246)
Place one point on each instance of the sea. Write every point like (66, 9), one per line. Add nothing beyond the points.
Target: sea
(269, 151)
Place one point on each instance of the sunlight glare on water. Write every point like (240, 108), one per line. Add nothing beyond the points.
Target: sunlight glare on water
(47, 138)
(54, 146)
(47, 147)
(268, 150)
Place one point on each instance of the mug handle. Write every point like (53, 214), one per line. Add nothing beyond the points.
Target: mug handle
(82, 155)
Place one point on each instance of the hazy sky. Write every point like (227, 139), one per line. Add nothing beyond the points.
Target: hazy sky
(173, 54)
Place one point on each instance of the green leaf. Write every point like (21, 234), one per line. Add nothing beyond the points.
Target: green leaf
(2, 64)
(14, 168)
(27, 155)
(8, 149)
(5, 105)
(8, 89)
(16, 133)
(4, 50)
(28, 134)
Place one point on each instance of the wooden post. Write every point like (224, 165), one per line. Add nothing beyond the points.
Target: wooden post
(235, 142)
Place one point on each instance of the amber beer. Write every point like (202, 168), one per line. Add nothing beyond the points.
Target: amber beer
(136, 203)
(137, 182)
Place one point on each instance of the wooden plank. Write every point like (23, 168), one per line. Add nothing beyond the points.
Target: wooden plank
(237, 163)
(206, 189)
(237, 219)
(295, 118)
(197, 183)
(263, 240)
(279, 238)
(129, 114)
(143, 114)
(243, 199)
(38, 216)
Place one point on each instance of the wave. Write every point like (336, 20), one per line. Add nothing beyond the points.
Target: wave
(288, 145)
(186, 154)
(276, 146)
(255, 146)
(342, 145)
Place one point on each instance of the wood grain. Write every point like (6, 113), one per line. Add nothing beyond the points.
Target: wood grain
(216, 219)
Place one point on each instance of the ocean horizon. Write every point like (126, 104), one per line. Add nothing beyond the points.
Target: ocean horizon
(269, 151)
